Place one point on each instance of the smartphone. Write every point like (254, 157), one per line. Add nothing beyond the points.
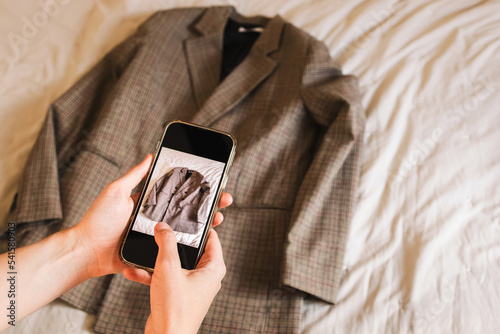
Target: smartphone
(182, 189)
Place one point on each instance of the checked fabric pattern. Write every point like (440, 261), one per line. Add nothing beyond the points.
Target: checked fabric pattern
(299, 125)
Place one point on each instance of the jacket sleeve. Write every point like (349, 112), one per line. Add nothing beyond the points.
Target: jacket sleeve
(65, 134)
(316, 240)
(203, 206)
(157, 186)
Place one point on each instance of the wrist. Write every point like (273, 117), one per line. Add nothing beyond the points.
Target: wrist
(78, 249)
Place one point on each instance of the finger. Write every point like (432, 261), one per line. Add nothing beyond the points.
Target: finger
(138, 275)
(217, 219)
(149, 325)
(225, 200)
(136, 173)
(212, 258)
(167, 247)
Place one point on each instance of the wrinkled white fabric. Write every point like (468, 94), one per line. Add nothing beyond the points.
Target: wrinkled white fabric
(423, 254)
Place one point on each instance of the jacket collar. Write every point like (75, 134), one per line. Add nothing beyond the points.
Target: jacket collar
(194, 178)
(213, 22)
(204, 57)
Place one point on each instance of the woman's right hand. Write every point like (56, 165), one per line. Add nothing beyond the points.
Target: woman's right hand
(180, 298)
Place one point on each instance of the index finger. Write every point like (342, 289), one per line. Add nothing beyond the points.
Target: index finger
(225, 200)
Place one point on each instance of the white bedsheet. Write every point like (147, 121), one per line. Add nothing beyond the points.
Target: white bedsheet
(423, 254)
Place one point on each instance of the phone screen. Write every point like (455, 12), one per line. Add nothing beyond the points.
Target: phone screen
(181, 190)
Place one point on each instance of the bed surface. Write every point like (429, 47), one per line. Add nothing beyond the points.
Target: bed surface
(423, 255)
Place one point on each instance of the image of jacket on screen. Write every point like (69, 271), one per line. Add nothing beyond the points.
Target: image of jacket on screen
(179, 198)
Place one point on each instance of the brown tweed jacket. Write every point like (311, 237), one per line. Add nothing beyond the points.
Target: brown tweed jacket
(299, 125)
(173, 191)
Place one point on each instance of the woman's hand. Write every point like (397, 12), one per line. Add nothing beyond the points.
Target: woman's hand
(180, 298)
(90, 248)
(103, 226)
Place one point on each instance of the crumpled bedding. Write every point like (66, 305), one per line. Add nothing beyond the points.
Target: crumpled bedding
(423, 254)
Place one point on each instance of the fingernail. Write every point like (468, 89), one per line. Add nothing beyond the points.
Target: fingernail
(161, 226)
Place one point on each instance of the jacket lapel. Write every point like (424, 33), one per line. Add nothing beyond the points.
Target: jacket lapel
(238, 84)
(204, 59)
(204, 56)
(186, 183)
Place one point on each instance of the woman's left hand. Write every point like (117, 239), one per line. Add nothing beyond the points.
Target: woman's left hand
(103, 226)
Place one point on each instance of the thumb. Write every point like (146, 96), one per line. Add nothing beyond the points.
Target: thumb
(136, 173)
(166, 240)
(213, 258)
